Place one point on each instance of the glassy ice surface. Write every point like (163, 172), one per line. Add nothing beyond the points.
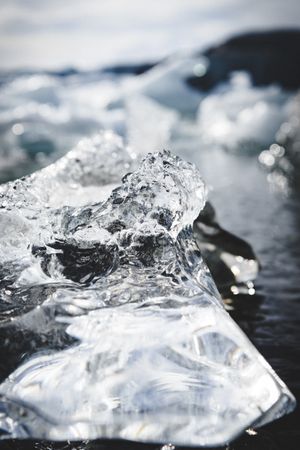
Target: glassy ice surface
(137, 343)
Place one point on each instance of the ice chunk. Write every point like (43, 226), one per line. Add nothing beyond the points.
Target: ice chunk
(166, 84)
(156, 357)
(85, 175)
(41, 117)
(281, 159)
(238, 114)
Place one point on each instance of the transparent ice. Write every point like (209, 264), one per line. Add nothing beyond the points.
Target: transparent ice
(108, 272)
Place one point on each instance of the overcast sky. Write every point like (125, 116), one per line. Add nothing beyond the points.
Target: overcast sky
(91, 33)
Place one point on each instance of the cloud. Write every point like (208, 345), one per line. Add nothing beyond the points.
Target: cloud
(87, 33)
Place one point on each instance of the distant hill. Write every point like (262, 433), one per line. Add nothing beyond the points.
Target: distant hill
(270, 57)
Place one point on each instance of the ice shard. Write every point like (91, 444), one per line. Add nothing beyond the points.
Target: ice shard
(153, 355)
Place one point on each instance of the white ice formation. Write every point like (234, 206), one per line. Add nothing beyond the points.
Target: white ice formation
(238, 115)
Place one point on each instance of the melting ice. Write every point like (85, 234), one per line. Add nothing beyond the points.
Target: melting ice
(144, 348)
(238, 115)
